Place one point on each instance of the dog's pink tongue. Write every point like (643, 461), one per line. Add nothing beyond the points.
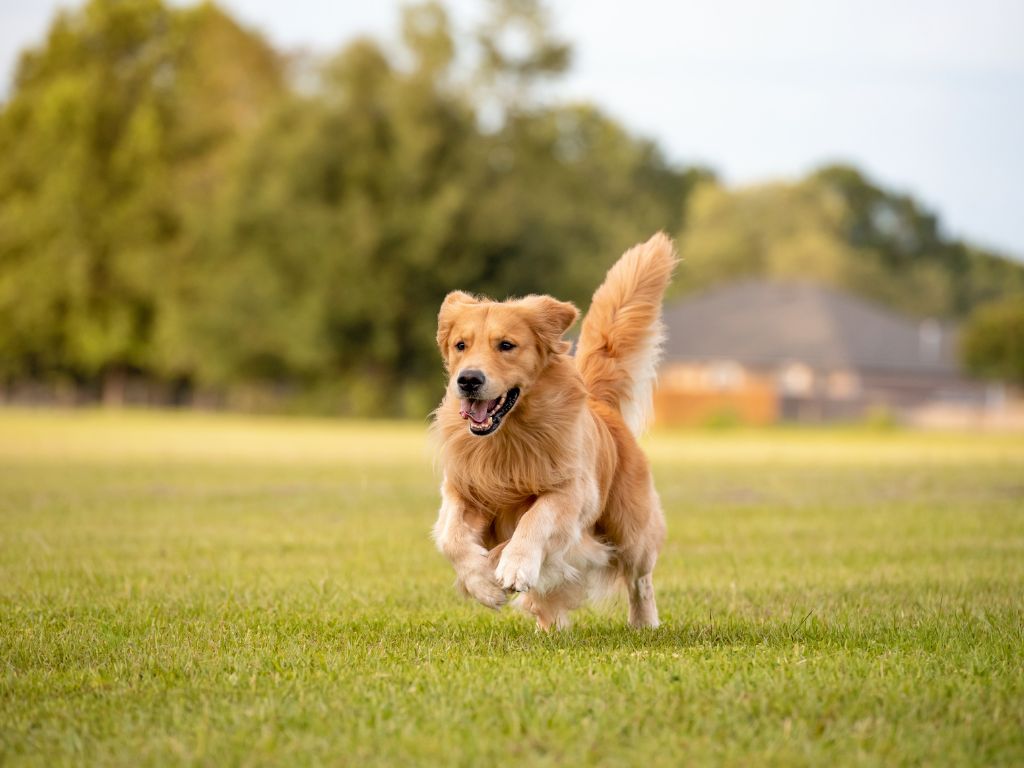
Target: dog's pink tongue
(474, 409)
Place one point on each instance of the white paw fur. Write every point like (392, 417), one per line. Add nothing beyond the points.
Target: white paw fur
(483, 587)
(518, 568)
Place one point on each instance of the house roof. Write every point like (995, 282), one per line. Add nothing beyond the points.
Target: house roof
(764, 323)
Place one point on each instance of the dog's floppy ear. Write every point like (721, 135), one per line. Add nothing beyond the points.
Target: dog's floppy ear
(445, 317)
(550, 319)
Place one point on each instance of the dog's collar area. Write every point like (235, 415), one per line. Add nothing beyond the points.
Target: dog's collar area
(501, 408)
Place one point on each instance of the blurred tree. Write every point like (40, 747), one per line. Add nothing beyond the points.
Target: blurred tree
(338, 228)
(113, 138)
(562, 192)
(360, 205)
(427, 35)
(518, 54)
(170, 207)
(992, 344)
(837, 227)
(905, 241)
(777, 230)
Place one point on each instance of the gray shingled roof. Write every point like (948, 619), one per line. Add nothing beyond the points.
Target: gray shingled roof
(758, 322)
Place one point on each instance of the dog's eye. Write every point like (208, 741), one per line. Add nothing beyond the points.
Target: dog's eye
(460, 345)
(506, 346)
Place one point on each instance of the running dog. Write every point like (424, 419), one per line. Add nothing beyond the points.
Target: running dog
(545, 490)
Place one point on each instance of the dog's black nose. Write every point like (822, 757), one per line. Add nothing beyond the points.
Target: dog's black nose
(470, 381)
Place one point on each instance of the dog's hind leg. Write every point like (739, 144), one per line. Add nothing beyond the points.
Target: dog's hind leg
(638, 568)
(638, 554)
(643, 611)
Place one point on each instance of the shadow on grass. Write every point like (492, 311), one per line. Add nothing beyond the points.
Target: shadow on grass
(186, 632)
(933, 632)
(518, 634)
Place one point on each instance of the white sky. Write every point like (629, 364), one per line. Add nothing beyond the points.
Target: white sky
(927, 97)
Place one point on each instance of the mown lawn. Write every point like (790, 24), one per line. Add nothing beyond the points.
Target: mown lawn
(223, 590)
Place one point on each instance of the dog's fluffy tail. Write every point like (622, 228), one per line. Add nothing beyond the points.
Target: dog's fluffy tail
(620, 340)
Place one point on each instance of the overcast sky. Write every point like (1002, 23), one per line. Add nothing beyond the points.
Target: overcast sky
(925, 95)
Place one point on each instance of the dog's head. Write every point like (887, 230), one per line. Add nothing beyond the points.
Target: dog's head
(494, 351)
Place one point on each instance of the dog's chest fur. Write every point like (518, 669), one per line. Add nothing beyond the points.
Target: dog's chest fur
(502, 475)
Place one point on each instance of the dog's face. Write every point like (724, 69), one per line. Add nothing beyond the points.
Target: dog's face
(494, 351)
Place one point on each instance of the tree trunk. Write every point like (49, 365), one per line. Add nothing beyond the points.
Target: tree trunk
(115, 382)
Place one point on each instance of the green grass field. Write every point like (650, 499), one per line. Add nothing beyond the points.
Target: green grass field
(223, 590)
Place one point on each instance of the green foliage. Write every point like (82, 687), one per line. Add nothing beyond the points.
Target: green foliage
(992, 344)
(222, 590)
(358, 206)
(518, 51)
(839, 228)
(113, 141)
(169, 210)
(173, 209)
(722, 419)
(881, 418)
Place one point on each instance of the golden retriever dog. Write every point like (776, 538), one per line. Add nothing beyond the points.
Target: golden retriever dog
(545, 490)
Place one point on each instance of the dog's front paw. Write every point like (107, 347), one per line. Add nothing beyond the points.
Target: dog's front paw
(483, 587)
(518, 569)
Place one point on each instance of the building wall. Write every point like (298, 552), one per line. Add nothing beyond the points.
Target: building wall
(700, 394)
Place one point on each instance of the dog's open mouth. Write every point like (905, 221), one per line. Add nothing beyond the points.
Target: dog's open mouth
(485, 415)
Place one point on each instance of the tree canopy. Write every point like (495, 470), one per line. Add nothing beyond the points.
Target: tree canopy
(838, 227)
(179, 207)
(115, 140)
(993, 340)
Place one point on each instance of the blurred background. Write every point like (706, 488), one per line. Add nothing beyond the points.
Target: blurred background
(259, 206)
